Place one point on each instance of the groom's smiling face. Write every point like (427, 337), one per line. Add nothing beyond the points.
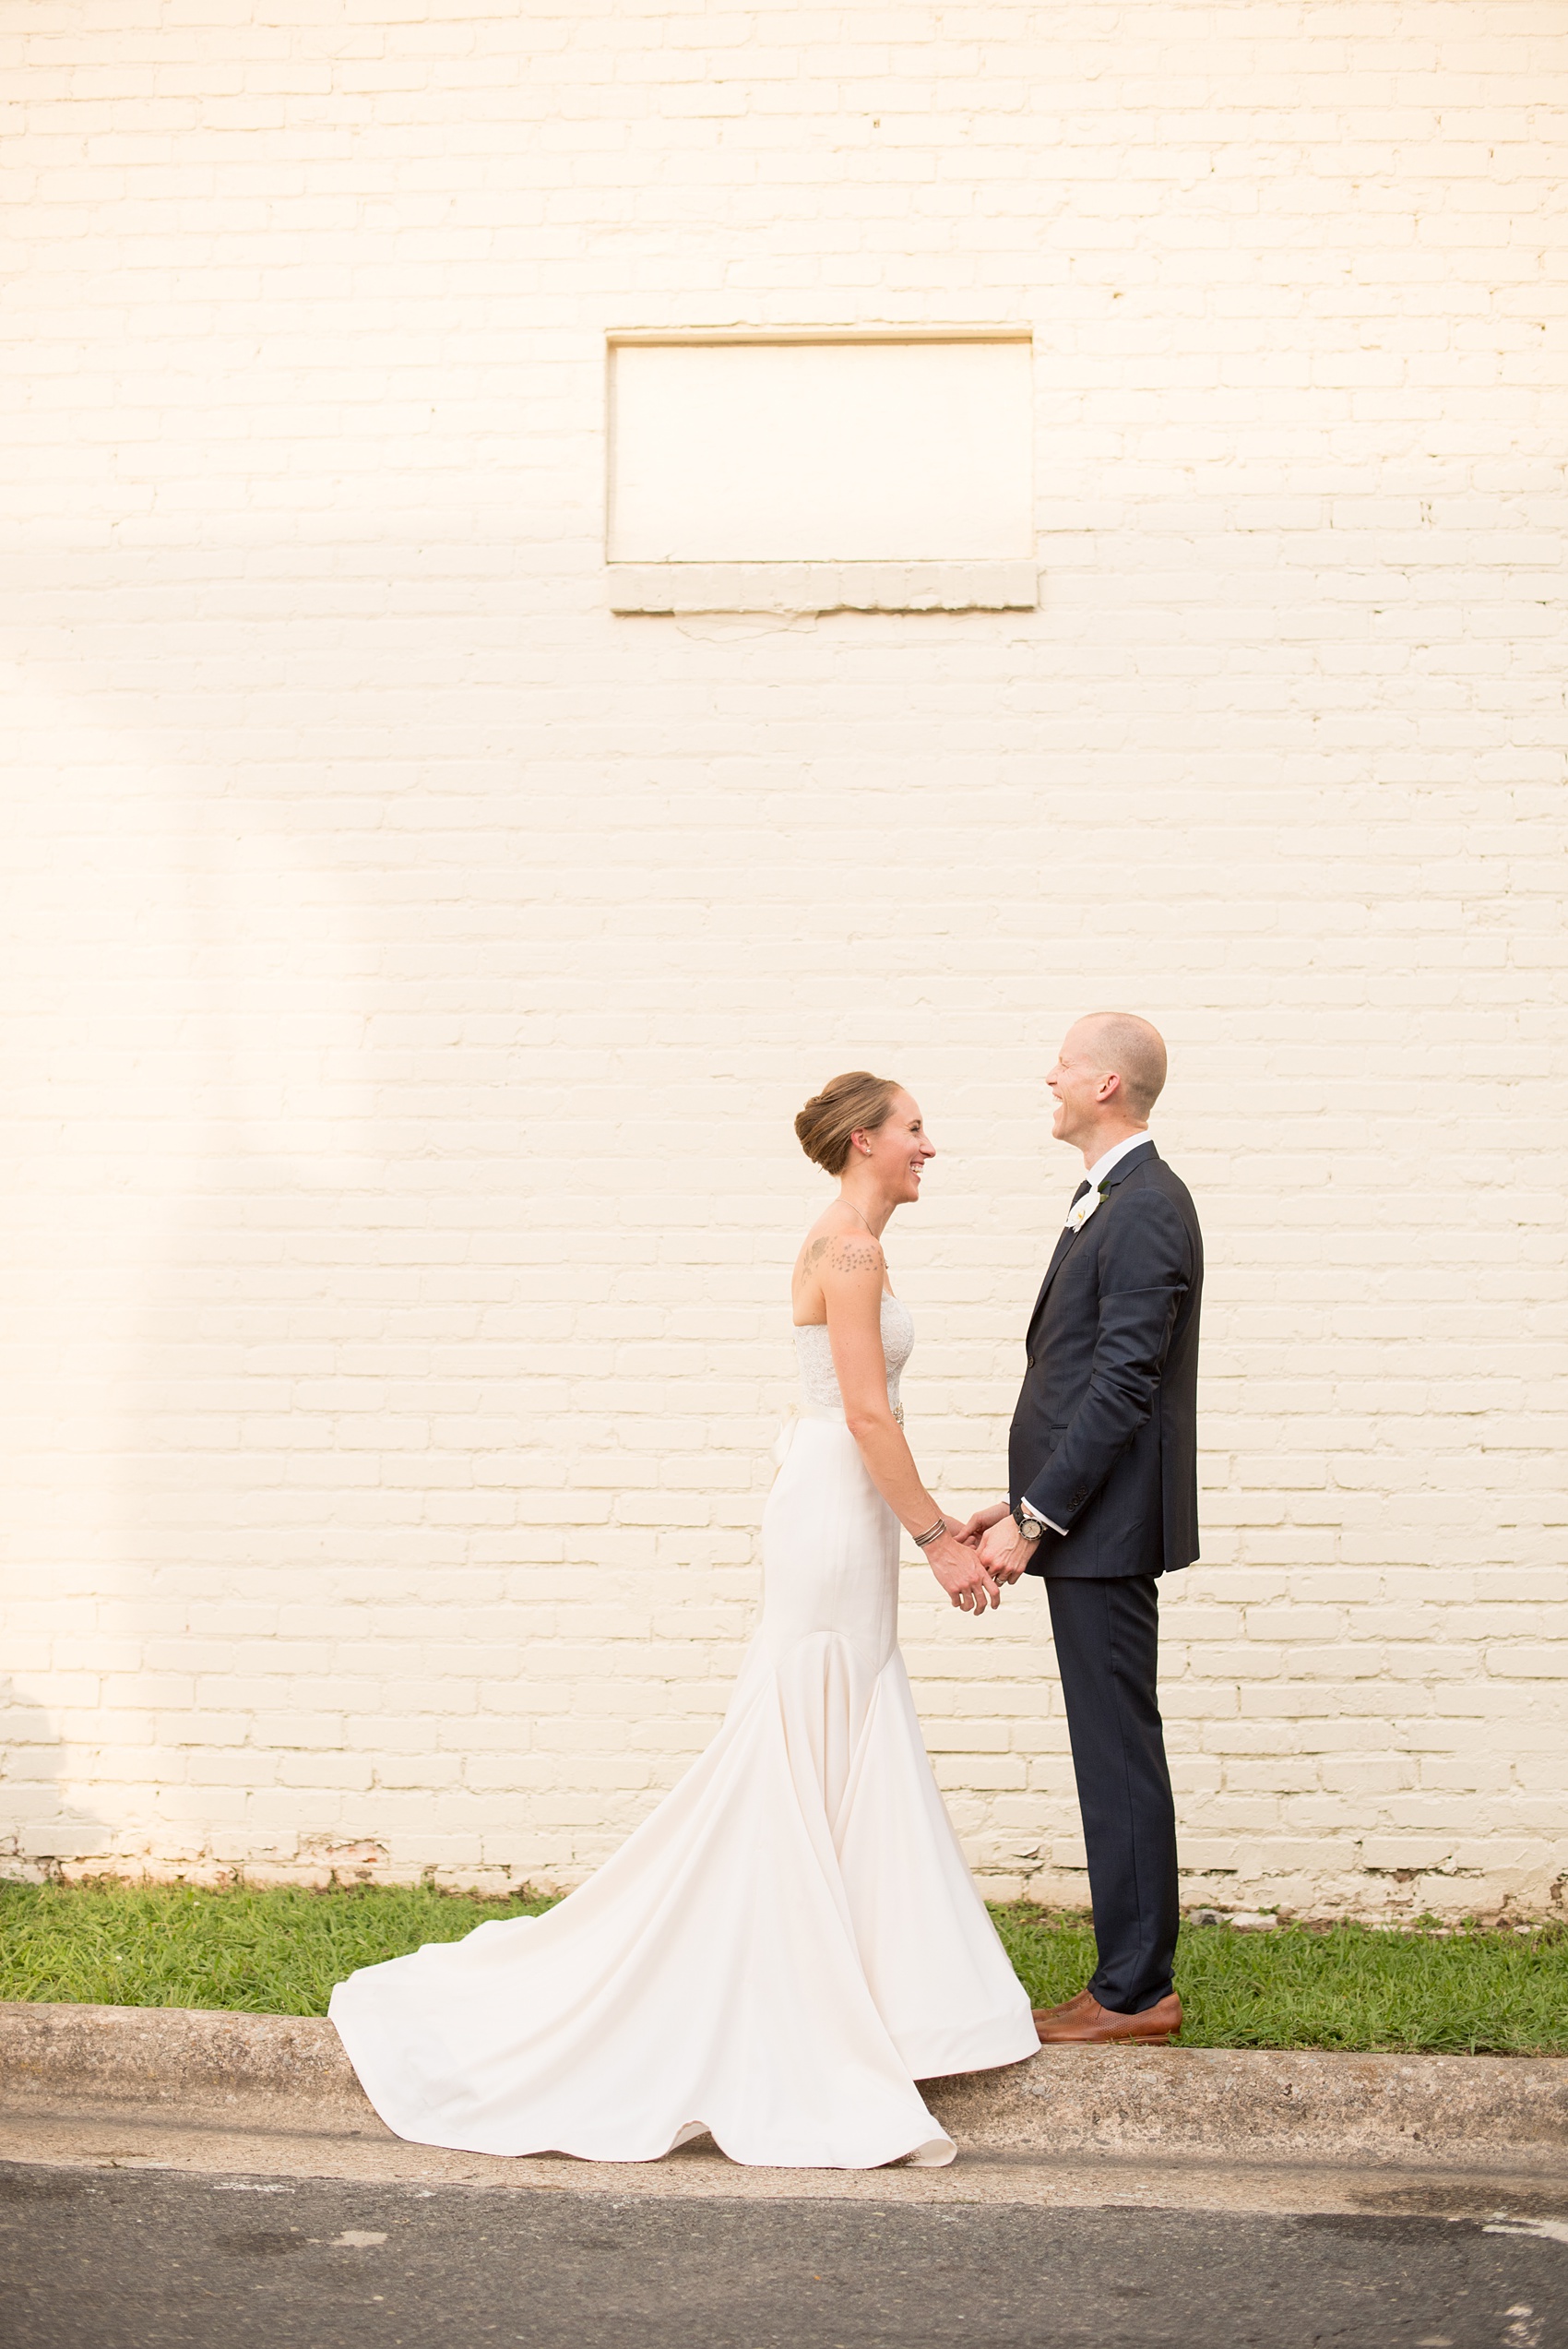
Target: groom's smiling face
(1078, 1082)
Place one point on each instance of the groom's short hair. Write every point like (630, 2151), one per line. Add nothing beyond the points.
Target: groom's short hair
(1135, 1049)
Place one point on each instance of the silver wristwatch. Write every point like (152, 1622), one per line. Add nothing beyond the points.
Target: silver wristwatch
(1029, 1527)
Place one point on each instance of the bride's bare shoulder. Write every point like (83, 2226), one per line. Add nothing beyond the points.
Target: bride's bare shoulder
(834, 1245)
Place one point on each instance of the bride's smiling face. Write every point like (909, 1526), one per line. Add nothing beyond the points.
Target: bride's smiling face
(899, 1150)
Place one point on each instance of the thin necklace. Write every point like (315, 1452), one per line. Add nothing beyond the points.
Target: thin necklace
(855, 1210)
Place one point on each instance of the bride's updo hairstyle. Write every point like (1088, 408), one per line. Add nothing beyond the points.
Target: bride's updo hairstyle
(854, 1103)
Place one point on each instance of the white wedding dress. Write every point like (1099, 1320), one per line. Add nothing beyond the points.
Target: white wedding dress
(781, 1949)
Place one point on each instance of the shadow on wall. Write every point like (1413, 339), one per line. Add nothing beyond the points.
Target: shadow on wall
(194, 1133)
(266, 1412)
(42, 1831)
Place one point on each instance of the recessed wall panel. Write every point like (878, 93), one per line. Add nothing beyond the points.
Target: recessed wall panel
(832, 451)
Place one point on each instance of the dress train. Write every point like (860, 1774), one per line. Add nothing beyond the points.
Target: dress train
(777, 1954)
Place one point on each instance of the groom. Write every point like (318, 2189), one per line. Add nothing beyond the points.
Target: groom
(1103, 1470)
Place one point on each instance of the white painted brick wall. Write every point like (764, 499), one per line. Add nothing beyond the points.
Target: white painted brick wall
(412, 968)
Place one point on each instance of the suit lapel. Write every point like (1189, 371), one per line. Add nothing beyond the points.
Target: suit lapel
(1063, 1241)
(1118, 1172)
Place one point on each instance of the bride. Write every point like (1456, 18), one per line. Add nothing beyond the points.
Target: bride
(791, 1939)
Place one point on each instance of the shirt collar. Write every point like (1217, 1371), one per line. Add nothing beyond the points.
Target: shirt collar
(1114, 1155)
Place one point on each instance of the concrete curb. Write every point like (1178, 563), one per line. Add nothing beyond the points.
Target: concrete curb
(283, 2072)
(289, 2073)
(1244, 2104)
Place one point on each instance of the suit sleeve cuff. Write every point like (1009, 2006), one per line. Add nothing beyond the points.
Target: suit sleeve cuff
(1039, 1517)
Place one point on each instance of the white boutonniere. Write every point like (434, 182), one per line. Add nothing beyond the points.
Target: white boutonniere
(1080, 1215)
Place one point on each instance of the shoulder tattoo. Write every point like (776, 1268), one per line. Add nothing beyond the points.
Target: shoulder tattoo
(855, 1256)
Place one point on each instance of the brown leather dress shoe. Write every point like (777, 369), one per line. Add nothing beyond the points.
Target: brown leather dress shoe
(1085, 2023)
(1068, 2007)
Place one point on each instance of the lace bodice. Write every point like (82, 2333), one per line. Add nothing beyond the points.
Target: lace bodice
(819, 1384)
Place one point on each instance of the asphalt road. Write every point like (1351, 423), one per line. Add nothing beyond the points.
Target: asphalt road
(124, 2260)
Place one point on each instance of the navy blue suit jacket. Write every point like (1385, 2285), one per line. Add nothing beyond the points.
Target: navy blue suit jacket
(1104, 1436)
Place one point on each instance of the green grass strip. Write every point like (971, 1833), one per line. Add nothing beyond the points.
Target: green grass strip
(280, 1950)
(1344, 1986)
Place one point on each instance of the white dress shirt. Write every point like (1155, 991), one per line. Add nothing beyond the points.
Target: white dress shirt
(1097, 1174)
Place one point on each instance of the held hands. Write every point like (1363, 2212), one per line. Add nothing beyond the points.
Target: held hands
(961, 1571)
(975, 1562)
(993, 1534)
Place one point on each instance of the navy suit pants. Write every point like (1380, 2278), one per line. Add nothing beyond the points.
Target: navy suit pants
(1107, 1636)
